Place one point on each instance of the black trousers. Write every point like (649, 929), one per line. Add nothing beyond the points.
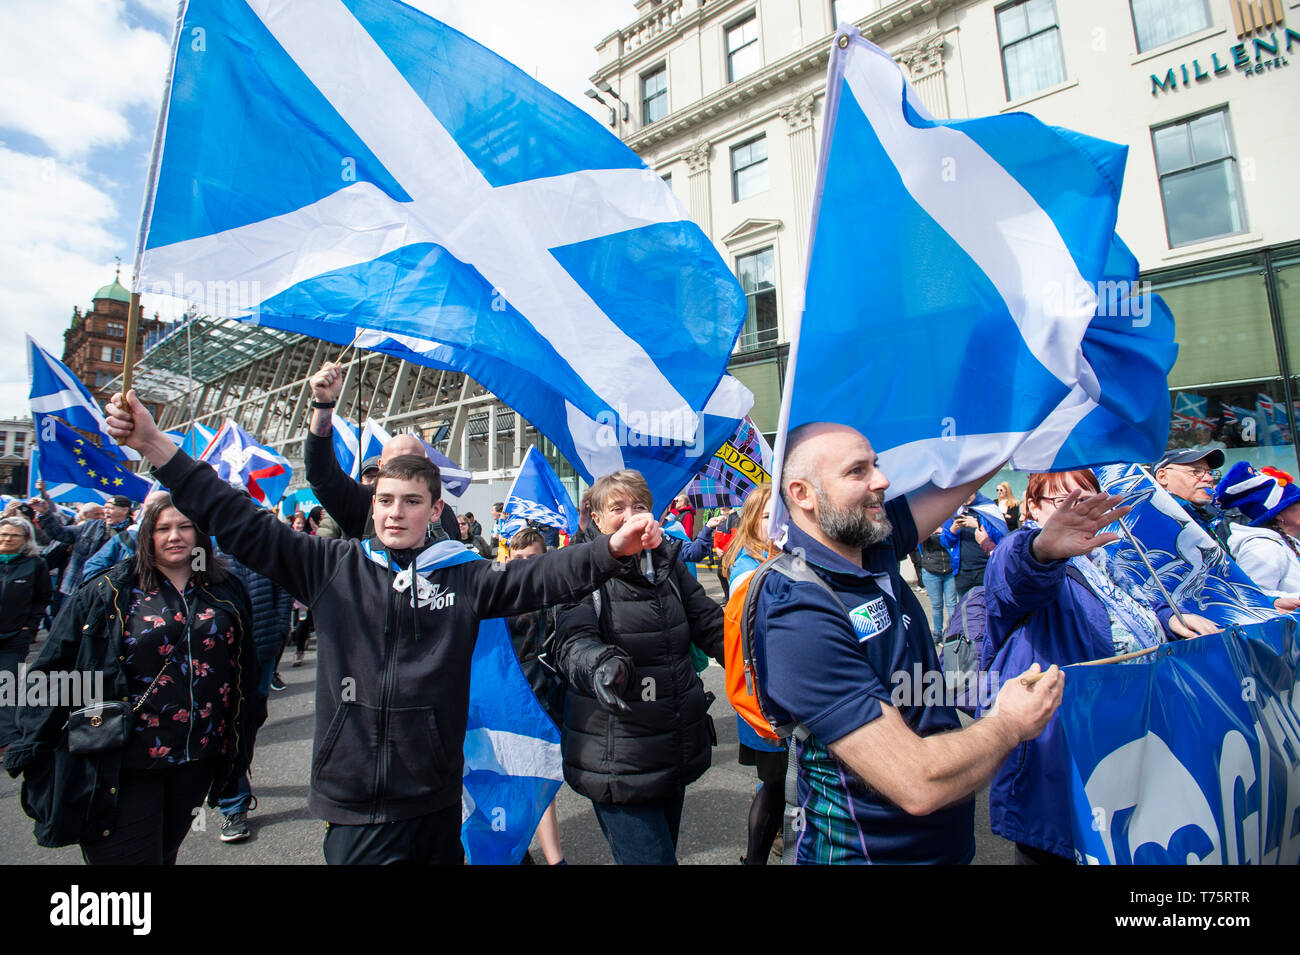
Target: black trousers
(433, 839)
(155, 810)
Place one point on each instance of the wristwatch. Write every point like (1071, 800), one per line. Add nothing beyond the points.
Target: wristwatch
(323, 405)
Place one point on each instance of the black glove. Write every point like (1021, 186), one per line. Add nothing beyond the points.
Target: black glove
(608, 681)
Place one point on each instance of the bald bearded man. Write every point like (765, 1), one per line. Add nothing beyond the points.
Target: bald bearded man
(350, 502)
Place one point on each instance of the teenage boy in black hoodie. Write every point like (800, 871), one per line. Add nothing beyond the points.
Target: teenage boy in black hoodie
(392, 685)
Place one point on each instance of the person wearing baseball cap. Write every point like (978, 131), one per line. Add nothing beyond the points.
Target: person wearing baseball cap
(1189, 474)
(1268, 548)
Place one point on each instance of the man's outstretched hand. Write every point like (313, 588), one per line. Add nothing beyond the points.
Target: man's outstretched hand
(130, 424)
(638, 533)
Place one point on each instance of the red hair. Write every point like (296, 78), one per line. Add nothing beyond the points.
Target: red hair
(1049, 484)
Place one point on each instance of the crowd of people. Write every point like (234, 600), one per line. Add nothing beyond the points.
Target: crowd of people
(186, 606)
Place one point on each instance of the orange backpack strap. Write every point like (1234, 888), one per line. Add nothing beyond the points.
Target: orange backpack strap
(795, 569)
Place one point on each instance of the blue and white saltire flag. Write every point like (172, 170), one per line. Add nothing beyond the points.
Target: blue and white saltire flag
(373, 438)
(347, 447)
(597, 447)
(967, 299)
(537, 495)
(1191, 567)
(454, 477)
(471, 206)
(1191, 412)
(512, 748)
(193, 442)
(68, 458)
(56, 390)
(240, 459)
(1174, 763)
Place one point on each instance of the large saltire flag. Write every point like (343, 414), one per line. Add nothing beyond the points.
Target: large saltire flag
(597, 447)
(57, 391)
(66, 458)
(741, 464)
(332, 165)
(968, 301)
(240, 459)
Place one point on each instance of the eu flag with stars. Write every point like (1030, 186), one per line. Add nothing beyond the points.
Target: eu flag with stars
(68, 458)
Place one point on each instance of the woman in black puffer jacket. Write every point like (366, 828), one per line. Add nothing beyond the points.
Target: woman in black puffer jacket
(636, 724)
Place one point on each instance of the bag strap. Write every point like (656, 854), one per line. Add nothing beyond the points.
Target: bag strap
(794, 569)
(150, 688)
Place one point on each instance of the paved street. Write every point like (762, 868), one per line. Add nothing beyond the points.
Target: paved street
(713, 823)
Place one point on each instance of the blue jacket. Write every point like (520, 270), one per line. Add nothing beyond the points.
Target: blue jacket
(995, 527)
(272, 608)
(108, 555)
(1063, 623)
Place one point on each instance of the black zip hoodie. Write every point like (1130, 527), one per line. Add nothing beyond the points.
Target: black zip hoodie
(392, 682)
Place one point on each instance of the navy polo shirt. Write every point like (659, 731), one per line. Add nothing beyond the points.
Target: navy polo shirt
(831, 664)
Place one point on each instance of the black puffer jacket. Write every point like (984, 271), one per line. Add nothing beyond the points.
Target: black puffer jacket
(74, 798)
(664, 743)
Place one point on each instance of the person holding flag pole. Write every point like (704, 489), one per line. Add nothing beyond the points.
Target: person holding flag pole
(397, 621)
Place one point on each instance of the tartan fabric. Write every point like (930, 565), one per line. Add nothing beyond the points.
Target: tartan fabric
(718, 483)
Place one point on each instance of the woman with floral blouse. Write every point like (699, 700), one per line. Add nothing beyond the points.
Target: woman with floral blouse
(171, 634)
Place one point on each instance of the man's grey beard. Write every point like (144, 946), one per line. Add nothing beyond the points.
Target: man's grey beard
(853, 527)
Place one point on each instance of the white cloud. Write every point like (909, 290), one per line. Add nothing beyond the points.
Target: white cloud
(554, 41)
(56, 250)
(74, 71)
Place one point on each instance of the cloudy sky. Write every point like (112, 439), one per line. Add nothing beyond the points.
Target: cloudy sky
(80, 88)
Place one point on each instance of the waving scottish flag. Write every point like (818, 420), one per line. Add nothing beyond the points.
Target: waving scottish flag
(609, 442)
(193, 442)
(454, 477)
(240, 459)
(57, 391)
(347, 447)
(968, 301)
(376, 169)
(537, 495)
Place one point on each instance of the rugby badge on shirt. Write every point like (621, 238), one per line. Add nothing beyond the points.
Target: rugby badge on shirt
(871, 618)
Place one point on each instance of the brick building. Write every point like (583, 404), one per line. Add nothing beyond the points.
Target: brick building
(94, 345)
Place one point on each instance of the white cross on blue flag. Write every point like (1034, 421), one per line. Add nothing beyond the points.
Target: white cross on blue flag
(968, 301)
(537, 495)
(330, 165)
(239, 459)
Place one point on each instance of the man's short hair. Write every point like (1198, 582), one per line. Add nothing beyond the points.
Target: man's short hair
(526, 538)
(797, 464)
(413, 467)
(628, 481)
(499, 506)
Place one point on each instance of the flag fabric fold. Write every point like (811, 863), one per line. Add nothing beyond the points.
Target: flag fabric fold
(743, 462)
(66, 458)
(537, 495)
(57, 391)
(240, 459)
(967, 300)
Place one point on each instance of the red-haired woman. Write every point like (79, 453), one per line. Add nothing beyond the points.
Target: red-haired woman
(1049, 600)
